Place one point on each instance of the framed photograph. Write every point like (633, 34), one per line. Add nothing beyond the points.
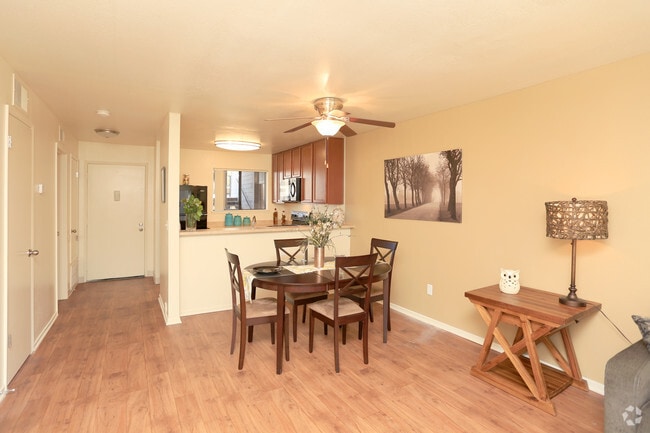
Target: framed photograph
(163, 184)
(425, 187)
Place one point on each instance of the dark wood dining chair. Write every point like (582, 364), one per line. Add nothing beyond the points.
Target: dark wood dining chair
(250, 313)
(386, 253)
(351, 274)
(292, 252)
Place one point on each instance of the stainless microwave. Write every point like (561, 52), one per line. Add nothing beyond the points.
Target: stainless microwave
(290, 191)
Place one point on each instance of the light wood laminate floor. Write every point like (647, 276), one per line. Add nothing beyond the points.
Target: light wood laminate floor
(109, 364)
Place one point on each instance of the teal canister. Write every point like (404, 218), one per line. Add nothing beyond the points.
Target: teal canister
(247, 221)
(229, 220)
(237, 220)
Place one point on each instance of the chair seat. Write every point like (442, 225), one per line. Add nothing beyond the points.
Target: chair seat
(263, 307)
(325, 307)
(292, 297)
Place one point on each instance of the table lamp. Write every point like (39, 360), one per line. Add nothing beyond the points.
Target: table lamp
(576, 220)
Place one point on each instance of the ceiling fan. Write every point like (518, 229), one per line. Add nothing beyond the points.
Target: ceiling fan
(331, 119)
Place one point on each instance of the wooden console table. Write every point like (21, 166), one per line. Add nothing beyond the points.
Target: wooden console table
(537, 314)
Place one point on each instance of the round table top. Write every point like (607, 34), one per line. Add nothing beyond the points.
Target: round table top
(305, 281)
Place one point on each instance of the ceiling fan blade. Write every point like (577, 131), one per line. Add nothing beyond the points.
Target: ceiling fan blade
(338, 113)
(347, 131)
(304, 125)
(372, 122)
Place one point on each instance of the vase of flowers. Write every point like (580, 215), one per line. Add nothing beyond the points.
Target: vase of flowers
(321, 223)
(193, 211)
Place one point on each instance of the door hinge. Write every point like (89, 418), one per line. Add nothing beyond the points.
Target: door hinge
(9, 141)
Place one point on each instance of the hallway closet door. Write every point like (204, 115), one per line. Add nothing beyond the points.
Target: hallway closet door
(116, 203)
(19, 274)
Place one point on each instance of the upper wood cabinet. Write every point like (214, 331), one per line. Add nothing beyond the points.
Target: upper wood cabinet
(296, 169)
(286, 157)
(306, 171)
(328, 169)
(320, 165)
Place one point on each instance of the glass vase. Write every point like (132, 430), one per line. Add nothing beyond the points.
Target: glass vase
(190, 223)
(319, 257)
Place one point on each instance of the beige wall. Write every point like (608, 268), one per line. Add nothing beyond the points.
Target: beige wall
(584, 136)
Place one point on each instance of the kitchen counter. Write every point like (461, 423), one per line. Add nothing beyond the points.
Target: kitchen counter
(216, 230)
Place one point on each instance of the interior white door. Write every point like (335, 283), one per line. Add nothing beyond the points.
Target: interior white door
(19, 296)
(116, 203)
(62, 237)
(73, 227)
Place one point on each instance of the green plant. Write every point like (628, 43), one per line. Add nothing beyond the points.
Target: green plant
(193, 207)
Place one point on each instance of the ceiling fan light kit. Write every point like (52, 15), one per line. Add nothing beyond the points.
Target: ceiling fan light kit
(107, 133)
(331, 119)
(241, 146)
(328, 127)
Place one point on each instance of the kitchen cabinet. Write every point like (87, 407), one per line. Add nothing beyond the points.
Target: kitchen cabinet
(296, 161)
(320, 165)
(306, 171)
(328, 170)
(286, 158)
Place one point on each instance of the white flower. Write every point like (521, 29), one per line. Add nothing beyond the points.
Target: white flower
(321, 224)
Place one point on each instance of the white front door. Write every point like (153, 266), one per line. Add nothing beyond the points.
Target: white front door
(116, 203)
(19, 264)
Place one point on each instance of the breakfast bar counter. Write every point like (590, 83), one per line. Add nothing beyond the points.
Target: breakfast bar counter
(204, 285)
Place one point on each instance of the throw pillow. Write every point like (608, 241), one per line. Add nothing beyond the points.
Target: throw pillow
(644, 326)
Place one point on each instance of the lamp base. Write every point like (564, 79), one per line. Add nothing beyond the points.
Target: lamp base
(572, 301)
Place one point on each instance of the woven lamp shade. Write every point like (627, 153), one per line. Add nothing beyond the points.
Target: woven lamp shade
(576, 219)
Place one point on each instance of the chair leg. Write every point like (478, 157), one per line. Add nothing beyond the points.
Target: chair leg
(336, 350)
(372, 319)
(365, 340)
(242, 346)
(250, 334)
(286, 338)
(294, 318)
(344, 330)
(360, 330)
(234, 333)
(311, 332)
(304, 313)
(272, 333)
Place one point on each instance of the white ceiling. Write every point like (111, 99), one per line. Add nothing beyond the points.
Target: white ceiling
(228, 65)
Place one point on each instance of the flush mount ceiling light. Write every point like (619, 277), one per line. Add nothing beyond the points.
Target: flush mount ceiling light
(328, 127)
(107, 133)
(236, 145)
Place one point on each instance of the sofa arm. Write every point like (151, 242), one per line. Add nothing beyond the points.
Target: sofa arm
(627, 390)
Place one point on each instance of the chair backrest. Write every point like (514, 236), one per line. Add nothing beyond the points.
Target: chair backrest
(385, 252)
(236, 282)
(287, 251)
(351, 274)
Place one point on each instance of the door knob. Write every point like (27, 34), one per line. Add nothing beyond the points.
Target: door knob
(32, 253)
(74, 230)
(141, 227)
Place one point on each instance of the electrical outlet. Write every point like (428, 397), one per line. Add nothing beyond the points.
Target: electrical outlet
(429, 289)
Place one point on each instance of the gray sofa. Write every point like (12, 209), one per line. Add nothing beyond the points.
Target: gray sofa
(627, 390)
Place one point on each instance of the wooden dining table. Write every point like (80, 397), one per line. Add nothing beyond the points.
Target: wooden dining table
(308, 280)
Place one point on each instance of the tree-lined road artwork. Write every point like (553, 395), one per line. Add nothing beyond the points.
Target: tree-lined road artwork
(424, 187)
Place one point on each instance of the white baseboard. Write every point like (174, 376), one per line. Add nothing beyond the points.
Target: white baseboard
(594, 386)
